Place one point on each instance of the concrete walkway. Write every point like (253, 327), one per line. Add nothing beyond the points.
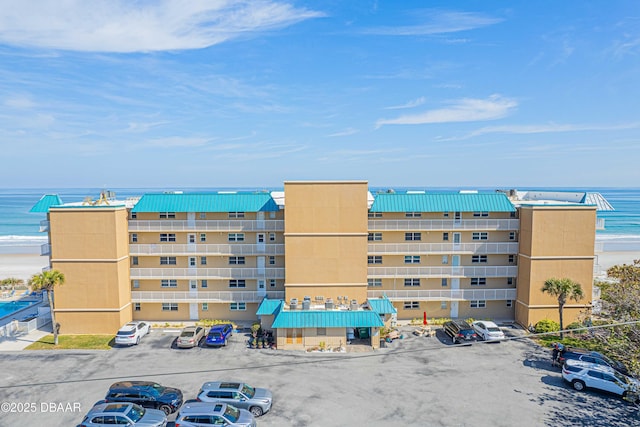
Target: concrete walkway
(21, 341)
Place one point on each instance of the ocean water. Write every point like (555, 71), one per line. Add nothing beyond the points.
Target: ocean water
(19, 229)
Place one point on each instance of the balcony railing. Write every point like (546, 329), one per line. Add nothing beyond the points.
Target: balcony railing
(445, 295)
(204, 296)
(45, 249)
(206, 249)
(44, 225)
(207, 273)
(443, 224)
(442, 248)
(488, 271)
(207, 225)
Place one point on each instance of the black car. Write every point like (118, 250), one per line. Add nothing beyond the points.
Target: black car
(459, 331)
(147, 394)
(562, 353)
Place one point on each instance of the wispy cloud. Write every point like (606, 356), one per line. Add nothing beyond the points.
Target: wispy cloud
(126, 26)
(438, 22)
(346, 132)
(20, 102)
(464, 110)
(177, 141)
(411, 104)
(546, 128)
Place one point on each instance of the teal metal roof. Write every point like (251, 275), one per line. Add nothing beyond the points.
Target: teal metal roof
(269, 306)
(206, 202)
(442, 202)
(382, 305)
(45, 203)
(327, 319)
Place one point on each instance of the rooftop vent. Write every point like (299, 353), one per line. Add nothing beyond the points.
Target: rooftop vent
(354, 305)
(306, 304)
(328, 304)
(293, 304)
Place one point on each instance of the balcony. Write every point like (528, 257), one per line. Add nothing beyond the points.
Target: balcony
(442, 248)
(204, 296)
(206, 249)
(443, 224)
(207, 225)
(45, 249)
(207, 273)
(445, 295)
(44, 225)
(435, 272)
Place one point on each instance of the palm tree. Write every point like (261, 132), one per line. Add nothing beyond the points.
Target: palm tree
(46, 281)
(563, 289)
(13, 282)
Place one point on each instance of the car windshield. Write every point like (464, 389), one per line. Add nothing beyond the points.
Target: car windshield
(248, 391)
(493, 329)
(621, 377)
(215, 335)
(136, 413)
(231, 413)
(127, 332)
(157, 389)
(187, 334)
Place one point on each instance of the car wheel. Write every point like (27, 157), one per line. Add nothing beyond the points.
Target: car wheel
(453, 340)
(224, 343)
(256, 411)
(166, 409)
(137, 340)
(578, 385)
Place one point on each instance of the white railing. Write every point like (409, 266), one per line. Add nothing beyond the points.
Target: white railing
(206, 225)
(207, 273)
(45, 249)
(443, 248)
(445, 295)
(206, 249)
(204, 296)
(44, 225)
(600, 224)
(496, 271)
(443, 224)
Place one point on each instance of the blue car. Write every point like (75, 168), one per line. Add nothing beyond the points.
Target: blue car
(219, 334)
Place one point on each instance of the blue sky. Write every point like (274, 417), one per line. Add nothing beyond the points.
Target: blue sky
(253, 93)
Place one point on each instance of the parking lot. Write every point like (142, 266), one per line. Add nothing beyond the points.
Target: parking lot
(415, 381)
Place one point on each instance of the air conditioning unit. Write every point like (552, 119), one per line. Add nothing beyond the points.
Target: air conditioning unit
(293, 304)
(354, 305)
(306, 304)
(328, 304)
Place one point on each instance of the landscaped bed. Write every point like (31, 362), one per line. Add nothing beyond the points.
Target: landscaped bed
(74, 342)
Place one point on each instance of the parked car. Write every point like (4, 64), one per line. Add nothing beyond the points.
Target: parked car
(204, 414)
(190, 336)
(147, 394)
(132, 333)
(126, 414)
(255, 400)
(582, 375)
(562, 353)
(487, 330)
(218, 334)
(459, 331)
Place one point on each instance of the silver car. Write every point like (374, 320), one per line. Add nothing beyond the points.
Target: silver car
(199, 414)
(126, 414)
(255, 400)
(190, 337)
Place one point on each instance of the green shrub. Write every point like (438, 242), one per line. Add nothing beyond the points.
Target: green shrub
(210, 322)
(575, 325)
(547, 325)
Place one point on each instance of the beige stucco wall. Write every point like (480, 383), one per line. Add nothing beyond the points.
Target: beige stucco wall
(217, 311)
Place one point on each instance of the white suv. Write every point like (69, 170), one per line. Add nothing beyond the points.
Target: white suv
(583, 375)
(132, 333)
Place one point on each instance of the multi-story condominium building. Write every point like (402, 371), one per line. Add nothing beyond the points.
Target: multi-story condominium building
(319, 258)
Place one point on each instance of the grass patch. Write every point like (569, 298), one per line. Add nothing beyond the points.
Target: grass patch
(74, 342)
(548, 340)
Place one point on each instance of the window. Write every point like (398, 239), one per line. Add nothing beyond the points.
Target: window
(202, 215)
(169, 306)
(412, 259)
(412, 282)
(134, 260)
(374, 282)
(136, 284)
(136, 306)
(236, 260)
(411, 305)
(478, 281)
(236, 214)
(412, 236)
(205, 306)
(374, 237)
(272, 260)
(512, 214)
(481, 214)
(443, 305)
(203, 237)
(375, 214)
(374, 259)
(237, 283)
(238, 306)
(512, 235)
(444, 282)
(445, 259)
(445, 214)
(511, 281)
(236, 237)
(134, 237)
(167, 237)
(134, 215)
(512, 259)
(480, 303)
(168, 283)
(509, 303)
(192, 261)
(192, 238)
(260, 238)
(480, 236)
(445, 237)
(167, 215)
(478, 258)
(272, 283)
(272, 237)
(167, 260)
(203, 260)
(204, 283)
(413, 214)
(321, 332)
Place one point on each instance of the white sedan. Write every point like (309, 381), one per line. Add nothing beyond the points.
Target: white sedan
(487, 330)
(132, 333)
